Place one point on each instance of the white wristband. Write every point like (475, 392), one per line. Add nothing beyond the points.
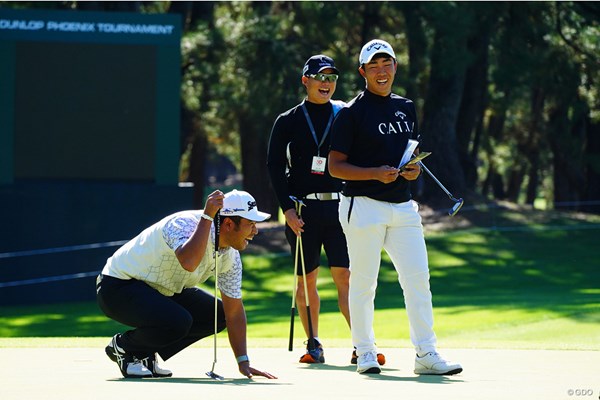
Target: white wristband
(241, 359)
(208, 217)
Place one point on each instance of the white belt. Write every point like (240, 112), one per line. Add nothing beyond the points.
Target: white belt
(323, 196)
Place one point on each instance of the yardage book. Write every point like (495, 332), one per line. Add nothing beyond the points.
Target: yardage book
(407, 157)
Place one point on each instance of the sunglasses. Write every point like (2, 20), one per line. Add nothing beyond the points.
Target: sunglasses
(324, 77)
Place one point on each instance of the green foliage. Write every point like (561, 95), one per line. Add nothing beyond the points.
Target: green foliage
(242, 61)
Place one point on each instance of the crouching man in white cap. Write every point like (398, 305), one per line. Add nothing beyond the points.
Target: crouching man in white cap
(150, 285)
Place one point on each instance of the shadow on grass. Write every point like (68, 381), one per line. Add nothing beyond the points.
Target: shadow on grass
(205, 381)
(430, 379)
(385, 374)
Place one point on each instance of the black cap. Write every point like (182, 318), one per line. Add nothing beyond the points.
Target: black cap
(318, 63)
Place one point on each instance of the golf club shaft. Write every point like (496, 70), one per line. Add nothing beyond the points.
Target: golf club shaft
(216, 310)
(311, 342)
(438, 182)
(292, 317)
(217, 234)
(293, 309)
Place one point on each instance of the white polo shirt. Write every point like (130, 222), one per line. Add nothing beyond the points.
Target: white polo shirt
(150, 257)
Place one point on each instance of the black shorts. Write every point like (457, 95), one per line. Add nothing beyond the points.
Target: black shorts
(322, 229)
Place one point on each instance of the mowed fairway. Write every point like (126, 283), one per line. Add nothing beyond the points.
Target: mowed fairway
(518, 305)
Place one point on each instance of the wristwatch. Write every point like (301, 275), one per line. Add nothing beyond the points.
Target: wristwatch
(207, 217)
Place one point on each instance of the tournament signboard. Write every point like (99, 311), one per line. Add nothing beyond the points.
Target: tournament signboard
(89, 96)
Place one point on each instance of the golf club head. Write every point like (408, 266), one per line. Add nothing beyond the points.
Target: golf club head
(456, 207)
(213, 375)
(299, 203)
(295, 199)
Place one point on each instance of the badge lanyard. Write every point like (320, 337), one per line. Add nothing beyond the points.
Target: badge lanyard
(318, 162)
(312, 129)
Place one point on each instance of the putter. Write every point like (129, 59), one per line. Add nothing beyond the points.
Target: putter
(458, 203)
(311, 340)
(212, 374)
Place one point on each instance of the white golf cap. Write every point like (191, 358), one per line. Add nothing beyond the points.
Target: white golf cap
(375, 46)
(241, 203)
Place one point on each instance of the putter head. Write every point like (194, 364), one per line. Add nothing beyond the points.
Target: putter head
(213, 375)
(457, 206)
(299, 203)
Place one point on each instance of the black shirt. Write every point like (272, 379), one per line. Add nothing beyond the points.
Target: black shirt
(291, 135)
(374, 131)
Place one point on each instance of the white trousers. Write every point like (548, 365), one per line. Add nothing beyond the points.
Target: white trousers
(397, 228)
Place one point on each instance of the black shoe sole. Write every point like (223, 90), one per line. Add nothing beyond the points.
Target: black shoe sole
(137, 377)
(454, 371)
(373, 370)
(451, 372)
(154, 375)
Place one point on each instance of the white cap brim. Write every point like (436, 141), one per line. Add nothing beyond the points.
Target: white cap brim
(257, 216)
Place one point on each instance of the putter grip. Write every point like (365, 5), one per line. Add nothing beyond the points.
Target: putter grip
(217, 230)
(291, 344)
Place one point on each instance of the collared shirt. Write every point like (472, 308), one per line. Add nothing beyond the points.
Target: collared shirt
(150, 257)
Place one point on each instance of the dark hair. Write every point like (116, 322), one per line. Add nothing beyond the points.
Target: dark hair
(235, 218)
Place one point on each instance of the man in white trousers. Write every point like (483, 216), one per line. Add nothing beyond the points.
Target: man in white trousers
(376, 210)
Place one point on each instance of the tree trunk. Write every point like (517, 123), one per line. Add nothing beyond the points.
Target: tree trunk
(370, 20)
(534, 178)
(198, 168)
(515, 181)
(192, 130)
(532, 146)
(183, 8)
(593, 167)
(473, 104)
(439, 121)
(254, 166)
(569, 181)
(417, 47)
(493, 135)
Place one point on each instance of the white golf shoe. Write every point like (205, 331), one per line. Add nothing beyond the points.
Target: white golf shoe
(129, 365)
(433, 364)
(151, 363)
(367, 363)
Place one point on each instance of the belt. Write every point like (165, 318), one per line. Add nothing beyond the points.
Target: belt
(322, 196)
